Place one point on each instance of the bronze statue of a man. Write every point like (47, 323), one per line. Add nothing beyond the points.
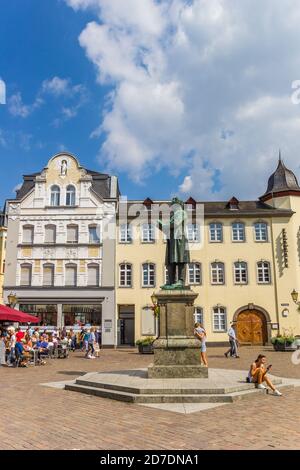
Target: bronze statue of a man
(177, 254)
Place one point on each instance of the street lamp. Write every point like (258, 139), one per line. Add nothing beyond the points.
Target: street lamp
(294, 295)
(153, 298)
(12, 299)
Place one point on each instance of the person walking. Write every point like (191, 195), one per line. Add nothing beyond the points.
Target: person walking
(200, 333)
(233, 350)
(91, 342)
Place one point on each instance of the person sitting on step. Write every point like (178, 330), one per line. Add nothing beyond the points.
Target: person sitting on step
(258, 374)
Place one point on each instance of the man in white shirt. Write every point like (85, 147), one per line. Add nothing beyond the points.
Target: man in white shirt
(233, 350)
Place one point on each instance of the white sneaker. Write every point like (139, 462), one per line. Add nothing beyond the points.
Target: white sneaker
(261, 387)
(277, 393)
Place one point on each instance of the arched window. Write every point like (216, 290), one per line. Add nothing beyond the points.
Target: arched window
(261, 231)
(219, 319)
(50, 234)
(93, 275)
(217, 273)
(238, 232)
(48, 275)
(194, 272)
(148, 275)
(71, 275)
(26, 271)
(263, 272)
(240, 272)
(198, 315)
(125, 275)
(71, 196)
(215, 232)
(55, 196)
(28, 233)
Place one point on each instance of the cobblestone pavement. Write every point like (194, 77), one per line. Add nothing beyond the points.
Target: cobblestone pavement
(38, 417)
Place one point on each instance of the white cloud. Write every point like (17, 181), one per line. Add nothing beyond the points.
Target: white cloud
(72, 98)
(17, 107)
(187, 185)
(200, 87)
(56, 86)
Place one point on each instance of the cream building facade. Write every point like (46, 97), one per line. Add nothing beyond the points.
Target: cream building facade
(59, 263)
(3, 235)
(245, 261)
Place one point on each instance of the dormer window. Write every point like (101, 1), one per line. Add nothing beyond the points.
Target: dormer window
(55, 196)
(233, 204)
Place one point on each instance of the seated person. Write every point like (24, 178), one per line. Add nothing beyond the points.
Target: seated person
(19, 350)
(258, 374)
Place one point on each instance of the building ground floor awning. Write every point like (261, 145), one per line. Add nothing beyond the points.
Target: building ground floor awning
(12, 315)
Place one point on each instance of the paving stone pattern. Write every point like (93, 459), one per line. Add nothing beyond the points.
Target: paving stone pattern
(39, 417)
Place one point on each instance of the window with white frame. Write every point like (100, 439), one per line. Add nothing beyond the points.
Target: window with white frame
(50, 234)
(28, 234)
(219, 319)
(72, 233)
(148, 275)
(55, 196)
(125, 233)
(125, 275)
(148, 233)
(240, 272)
(193, 233)
(261, 232)
(25, 278)
(198, 315)
(217, 273)
(93, 275)
(94, 234)
(194, 272)
(216, 232)
(71, 196)
(71, 275)
(48, 275)
(263, 272)
(238, 232)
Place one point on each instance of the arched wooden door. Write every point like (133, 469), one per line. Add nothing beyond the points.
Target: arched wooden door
(252, 327)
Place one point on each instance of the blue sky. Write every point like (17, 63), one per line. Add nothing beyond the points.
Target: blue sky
(39, 41)
(173, 96)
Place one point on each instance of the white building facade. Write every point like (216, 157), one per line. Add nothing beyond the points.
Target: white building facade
(60, 254)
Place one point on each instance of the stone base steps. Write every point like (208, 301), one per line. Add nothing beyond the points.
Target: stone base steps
(177, 396)
(168, 391)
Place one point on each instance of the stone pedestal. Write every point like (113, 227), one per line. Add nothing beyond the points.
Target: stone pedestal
(176, 351)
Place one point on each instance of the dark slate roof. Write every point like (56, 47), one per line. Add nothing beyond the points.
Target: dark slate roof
(27, 186)
(245, 209)
(282, 179)
(100, 184)
(2, 219)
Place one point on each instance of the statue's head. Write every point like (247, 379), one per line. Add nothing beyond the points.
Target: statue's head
(176, 200)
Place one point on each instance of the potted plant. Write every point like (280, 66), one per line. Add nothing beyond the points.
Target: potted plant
(145, 345)
(284, 342)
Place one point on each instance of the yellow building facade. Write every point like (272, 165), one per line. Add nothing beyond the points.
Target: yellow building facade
(244, 264)
(3, 234)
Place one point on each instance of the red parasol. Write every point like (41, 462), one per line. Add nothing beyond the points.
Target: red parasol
(9, 314)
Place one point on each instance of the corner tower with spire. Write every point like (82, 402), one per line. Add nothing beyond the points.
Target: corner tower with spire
(282, 184)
